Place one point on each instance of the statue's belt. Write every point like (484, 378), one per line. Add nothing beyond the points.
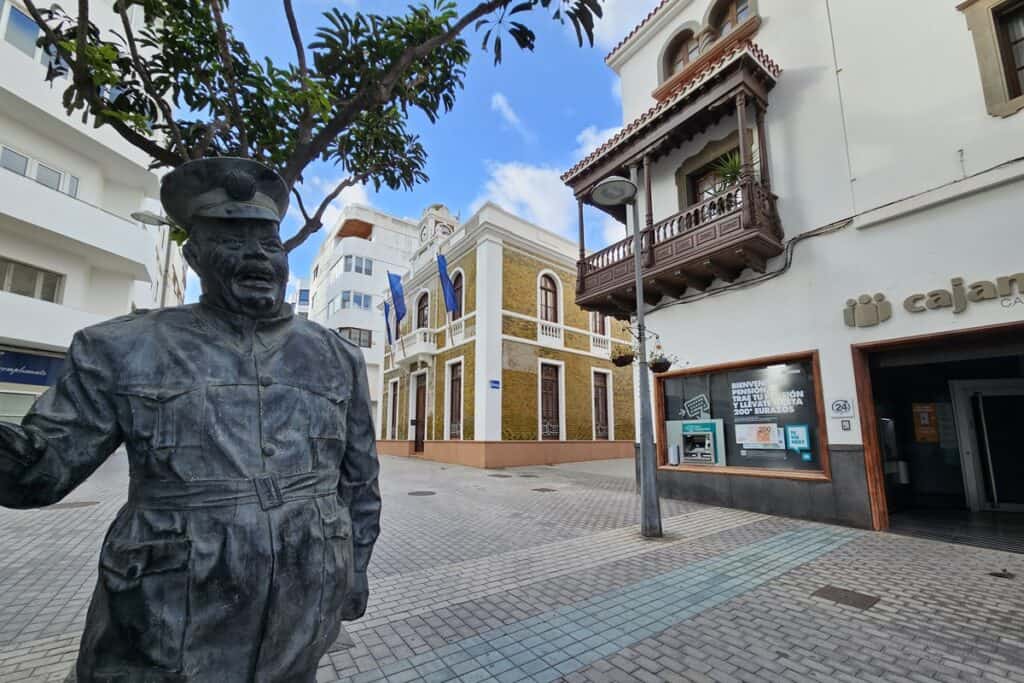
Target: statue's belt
(268, 490)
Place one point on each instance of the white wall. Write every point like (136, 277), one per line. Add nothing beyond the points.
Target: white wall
(803, 309)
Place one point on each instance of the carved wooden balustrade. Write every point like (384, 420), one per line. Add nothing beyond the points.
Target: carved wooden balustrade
(717, 238)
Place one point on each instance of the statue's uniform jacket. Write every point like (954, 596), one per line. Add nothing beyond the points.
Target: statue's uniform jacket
(253, 494)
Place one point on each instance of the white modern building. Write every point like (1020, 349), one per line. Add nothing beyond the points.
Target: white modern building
(349, 279)
(70, 253)
(299, 298)
(830, 198)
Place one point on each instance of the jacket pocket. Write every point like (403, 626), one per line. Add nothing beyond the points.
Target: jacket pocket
(166, 417)
(146, 588)
(338, 564)
(327, 427)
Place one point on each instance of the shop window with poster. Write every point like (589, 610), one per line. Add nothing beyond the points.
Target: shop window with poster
(764, 415)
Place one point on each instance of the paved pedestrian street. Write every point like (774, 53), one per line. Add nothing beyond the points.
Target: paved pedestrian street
(539, 574)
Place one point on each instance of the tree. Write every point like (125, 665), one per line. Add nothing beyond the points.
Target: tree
(182, 87)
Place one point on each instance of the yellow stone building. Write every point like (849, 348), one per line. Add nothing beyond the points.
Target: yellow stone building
(520, 375)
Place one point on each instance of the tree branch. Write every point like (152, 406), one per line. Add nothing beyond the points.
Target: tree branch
(376, 93)
(147, 83)
(229, 77)
(302, 206)
(89, 95)
(305, 129)
(313, 223)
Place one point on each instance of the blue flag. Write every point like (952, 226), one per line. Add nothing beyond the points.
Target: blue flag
(387, 321)
(397, 296)
(451, 302)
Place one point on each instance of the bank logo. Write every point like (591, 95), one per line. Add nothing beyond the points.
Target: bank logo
(867, 310)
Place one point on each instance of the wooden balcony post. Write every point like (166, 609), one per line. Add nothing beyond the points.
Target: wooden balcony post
(581, 264)
(744, 137)
(762, 148)
(648, 213)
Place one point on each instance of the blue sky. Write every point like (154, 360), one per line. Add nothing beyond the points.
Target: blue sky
(515, 127)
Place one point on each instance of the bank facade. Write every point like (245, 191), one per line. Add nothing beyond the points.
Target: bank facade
(519, 375)
(832, 246)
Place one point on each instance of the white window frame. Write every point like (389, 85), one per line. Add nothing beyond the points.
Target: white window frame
(451, 276)
(32, 168)
(410, 432)
(560, 307)
(394, 396)
(462, 398)
(36, 294)
(561, 398)
(609, 399)
(416, 308)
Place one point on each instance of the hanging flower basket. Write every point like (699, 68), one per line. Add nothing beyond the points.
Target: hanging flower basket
(659, 365)
(623, 359)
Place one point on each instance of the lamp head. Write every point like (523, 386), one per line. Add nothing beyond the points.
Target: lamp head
(614, 191)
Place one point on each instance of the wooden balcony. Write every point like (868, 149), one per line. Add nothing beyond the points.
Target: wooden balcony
(716, 239)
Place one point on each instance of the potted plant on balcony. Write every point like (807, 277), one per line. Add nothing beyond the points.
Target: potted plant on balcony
(729, 170)
(659, 361)
(622, 355)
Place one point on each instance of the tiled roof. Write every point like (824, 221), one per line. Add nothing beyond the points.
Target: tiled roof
(685, 88)
(643, 22)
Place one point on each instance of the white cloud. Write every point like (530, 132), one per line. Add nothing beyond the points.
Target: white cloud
(590, 138)
(619, 18)
(500, 104)
(534, 192)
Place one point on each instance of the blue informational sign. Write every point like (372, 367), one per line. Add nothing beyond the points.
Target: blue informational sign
(28, 368)
(495, 384)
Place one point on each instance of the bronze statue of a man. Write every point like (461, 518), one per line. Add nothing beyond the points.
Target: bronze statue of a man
(253, 504)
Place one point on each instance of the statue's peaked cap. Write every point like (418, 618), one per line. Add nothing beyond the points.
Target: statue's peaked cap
(223, 187)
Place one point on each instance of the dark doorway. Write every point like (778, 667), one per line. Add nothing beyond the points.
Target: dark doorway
(945, 417)
(600, 405)
(550, 415)
(420, 415)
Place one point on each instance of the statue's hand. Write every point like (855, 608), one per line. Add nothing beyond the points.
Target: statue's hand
(355, 602)
(19, 448)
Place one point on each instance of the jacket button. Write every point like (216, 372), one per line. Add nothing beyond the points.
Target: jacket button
(266, 380)
(269, 451)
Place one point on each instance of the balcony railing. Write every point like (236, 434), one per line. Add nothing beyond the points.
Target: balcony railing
(601, 345)
(716, 238)
(550, 334)
(416, 346)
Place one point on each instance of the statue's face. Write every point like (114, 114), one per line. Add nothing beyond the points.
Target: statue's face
(242, 264)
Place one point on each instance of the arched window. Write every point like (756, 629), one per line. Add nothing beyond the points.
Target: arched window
(548, 299)
(457, 287)
(682, 51)
(422, 309)
(729, 15)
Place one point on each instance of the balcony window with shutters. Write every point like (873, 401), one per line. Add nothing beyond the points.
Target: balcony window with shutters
(25, 280)
(422, 311)
(598, 324)
(457, 287)
(732, 15)
(683, 50)
(548, 299)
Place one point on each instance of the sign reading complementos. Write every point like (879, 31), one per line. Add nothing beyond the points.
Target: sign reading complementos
(27, 368)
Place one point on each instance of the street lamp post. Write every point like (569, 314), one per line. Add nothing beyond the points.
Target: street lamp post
(619, 191)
